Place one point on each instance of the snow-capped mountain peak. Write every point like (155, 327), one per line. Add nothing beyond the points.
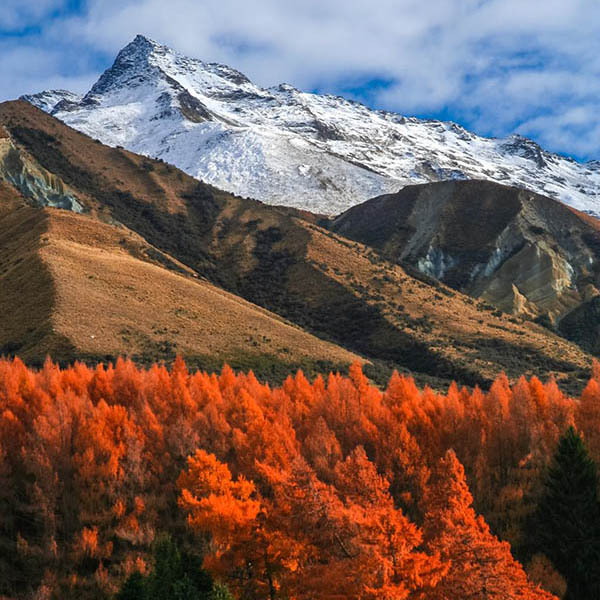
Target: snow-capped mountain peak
(283, 146)
(129, 68)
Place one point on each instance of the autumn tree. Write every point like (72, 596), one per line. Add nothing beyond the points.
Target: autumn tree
(541, 571)
(481, 566)
(227, 509)
(322, 489)
(588, 415)
(392, 564)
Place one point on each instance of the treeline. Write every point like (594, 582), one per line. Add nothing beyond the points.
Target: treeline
(327, 489)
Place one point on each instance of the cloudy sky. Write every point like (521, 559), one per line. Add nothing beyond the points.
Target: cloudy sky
(495, 66)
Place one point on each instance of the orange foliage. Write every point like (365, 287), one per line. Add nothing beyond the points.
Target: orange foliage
(329, 489)
(481, 566)
(89, 541)
(220, 506)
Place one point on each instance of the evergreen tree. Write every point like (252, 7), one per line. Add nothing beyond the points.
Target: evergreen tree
(221, 592)
(566, 524)
(134, 588)
(175, 576)
(167, 569)
(196, 575)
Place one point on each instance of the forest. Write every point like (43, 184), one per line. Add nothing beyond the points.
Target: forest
(118, 482)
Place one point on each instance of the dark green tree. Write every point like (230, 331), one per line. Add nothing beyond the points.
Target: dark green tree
(566, 524)
(134, 588)
(167, 569)
(196, 575)
(175, 575)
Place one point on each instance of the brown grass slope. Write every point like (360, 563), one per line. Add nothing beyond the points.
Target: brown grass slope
(114, 297)
(27, 290)
(97, 289)
(334, 288)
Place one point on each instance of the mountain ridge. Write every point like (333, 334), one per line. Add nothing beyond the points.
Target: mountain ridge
(327, 286)
(283, 146)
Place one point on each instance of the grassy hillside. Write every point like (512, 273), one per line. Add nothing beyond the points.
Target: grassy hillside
(334, 288)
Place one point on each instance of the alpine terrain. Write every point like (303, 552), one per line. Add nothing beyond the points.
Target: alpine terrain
(284, 146)
(149, 262)
(266, 344)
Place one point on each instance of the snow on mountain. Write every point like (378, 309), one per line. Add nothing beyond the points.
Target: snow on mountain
(283, 146)
(52, 99)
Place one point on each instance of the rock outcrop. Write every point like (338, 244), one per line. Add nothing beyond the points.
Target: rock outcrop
(525, 253)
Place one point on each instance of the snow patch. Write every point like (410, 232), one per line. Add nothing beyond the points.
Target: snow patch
(436, 263)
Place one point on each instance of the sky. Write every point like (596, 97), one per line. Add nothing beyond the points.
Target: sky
(495, 66)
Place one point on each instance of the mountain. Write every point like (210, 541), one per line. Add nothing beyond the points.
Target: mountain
(525, 253)
(51, 100)
(284, 146)
(81, 286)
(172, 235)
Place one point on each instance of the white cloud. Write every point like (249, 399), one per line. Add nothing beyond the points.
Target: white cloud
(577, 128)
(15, 14)
(496, 65)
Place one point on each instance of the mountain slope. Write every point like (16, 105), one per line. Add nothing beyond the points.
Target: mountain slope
(104, 298)
(75, 287)
(283, 146)
(26, 290)
(329, 286)
(150, 310)
(525, 253)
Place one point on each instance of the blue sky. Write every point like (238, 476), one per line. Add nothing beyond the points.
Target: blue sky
(494, 66)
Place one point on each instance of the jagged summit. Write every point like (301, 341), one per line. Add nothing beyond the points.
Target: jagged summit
(140, 45)
(132, 61)
(50, 99)
(284, 146)
(142, 40)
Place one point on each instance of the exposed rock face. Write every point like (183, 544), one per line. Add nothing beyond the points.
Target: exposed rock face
(37, 184)
(525, 253)
(53, 100)
(537, 279)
